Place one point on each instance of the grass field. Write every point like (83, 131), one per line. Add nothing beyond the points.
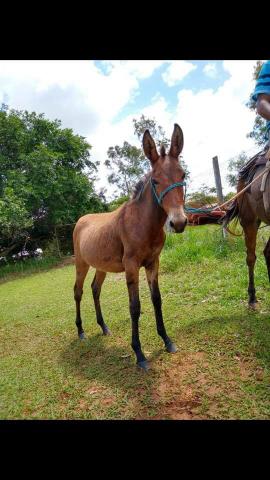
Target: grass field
(220, 372)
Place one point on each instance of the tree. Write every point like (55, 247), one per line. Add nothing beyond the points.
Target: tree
(114, 204)
(259, 128)
(128, 164)
(234, 165)
(156, 131)
(46, 179)
(204, 196)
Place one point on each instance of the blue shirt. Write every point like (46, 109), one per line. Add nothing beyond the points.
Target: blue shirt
(263, 86)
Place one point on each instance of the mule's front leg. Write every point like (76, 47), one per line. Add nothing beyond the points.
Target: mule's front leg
(132, 278)
(152, 278)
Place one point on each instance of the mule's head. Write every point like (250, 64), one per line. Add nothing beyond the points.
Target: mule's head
(166, 172)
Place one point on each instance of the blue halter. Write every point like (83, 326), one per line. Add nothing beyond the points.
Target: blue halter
(162, 194)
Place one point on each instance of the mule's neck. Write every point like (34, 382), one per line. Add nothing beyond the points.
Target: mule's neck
(153, 216)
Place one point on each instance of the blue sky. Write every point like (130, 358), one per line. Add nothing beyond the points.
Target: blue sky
(150, 87)
(99, 99)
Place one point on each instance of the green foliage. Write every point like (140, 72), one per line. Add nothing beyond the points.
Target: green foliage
(228, 196)
(204, 196)
(222, 369)
(27, 267)
(46, 178)
(234, 165)
(197, 244)
(128, 165)
(117, 202)
(155, 130)
(52, 249)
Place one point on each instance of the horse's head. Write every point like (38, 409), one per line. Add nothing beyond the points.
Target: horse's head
(167, 177)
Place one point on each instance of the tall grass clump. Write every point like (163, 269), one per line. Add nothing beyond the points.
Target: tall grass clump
(197, 244)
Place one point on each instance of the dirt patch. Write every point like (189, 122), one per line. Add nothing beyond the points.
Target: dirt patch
(187, 389)
(173, 396)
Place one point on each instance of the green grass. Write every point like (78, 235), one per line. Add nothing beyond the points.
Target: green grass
(222, 369)
(27, 266)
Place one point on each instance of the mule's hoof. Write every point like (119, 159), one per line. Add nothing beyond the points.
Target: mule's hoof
(171, 348)
(82, 336)
(106, 331)
(253, 306)
(143, 365)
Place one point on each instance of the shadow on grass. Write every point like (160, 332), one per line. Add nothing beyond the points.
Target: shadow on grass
(248, 333)
(114, 365)
(97, 358)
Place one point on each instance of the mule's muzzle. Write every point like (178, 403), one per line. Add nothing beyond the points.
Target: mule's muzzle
(178, 225)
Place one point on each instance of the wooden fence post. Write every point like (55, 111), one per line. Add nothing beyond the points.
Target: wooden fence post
(218, 186)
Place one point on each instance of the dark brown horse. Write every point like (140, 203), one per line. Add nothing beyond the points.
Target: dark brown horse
(251, 208)
(132, 237)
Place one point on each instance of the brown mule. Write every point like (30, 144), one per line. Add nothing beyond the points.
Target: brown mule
(132, 237)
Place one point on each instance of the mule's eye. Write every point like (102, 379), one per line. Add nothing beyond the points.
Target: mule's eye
(155, 181)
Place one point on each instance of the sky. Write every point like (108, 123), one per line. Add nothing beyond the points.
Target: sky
(99, 99)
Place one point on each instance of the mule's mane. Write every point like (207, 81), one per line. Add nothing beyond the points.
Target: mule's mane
(162, 151)
(140, 186)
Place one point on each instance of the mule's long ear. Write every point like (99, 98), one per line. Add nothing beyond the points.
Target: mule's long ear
(149, 147)
(177, 141)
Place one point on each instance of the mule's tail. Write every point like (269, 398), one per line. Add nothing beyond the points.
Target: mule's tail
(232, 212)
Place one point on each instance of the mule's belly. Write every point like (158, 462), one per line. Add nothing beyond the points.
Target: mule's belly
(102, 251)
(103, 266)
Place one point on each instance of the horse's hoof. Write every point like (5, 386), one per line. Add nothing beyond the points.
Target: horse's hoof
(82, 336)
(143, 365)
(106, 331)
(171, 348)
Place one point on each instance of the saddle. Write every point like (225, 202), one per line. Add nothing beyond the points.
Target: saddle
(248, 171)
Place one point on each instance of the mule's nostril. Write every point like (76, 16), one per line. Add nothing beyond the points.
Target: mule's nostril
(171, 224)
(186, 221)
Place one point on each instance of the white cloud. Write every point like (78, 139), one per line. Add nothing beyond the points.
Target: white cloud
(210, 69)
(177, 70)
(88, 100)
(140, 68)
(63, 89)
(216, 123)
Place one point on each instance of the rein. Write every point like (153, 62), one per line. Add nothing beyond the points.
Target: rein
(208, 211)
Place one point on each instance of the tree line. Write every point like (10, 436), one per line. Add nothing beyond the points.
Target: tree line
(48, 178)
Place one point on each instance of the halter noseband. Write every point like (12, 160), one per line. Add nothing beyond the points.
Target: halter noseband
(162, 194)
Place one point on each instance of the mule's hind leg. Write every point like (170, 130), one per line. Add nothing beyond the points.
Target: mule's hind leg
(81, 272)
(266, 253)
(96, 288)
(250, 231)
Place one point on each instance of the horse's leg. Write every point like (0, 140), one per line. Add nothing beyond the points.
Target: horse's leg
(132, 279)
(152, 278)
(267, 257)
(96, 288)
(81, 272)
(250, 232)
